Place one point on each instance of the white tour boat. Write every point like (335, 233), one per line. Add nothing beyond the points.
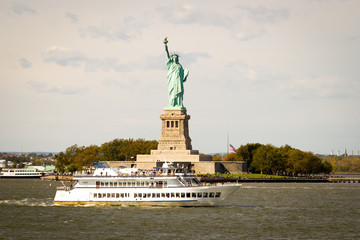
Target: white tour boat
(20, 173)
(164, 186)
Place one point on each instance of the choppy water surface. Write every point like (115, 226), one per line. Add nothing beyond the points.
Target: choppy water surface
(256, 211)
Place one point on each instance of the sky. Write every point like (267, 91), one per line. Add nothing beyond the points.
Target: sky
(273, 72)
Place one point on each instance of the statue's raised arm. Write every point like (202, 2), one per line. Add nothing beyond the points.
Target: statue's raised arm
(166, 48)
(176, 77)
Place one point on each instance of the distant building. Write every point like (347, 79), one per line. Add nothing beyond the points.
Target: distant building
(2, 163)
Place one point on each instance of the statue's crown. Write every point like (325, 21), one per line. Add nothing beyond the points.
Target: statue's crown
(175, 54)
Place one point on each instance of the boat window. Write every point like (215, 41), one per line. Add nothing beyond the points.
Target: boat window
(149, 195)
(104, 195)
(177, 195)
(205, 194)
(218, 194)
(106, 184)
(117, 195)
(211, 194)
(99, 195)
(111, 184)
(168, 195)
(199, 194)
(102, 184)
(140, 194)
(158, 195)
(135, 195)
(133, 184)
(182, 195)
(142, 184)
(163, 195)
(95, 195)
(146, 184)
(122, 195)
(153, 195)
(144, 195)
(193, 195)
(188, 195)
(108, 195)
(138, 184)
(113, 195)
(120, 184)
(165, 183)
(115, 184)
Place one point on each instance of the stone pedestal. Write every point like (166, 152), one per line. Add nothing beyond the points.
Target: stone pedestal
(174, 142)
(174, 131)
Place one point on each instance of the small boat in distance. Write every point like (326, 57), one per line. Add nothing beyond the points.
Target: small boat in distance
(20, 173)
(162, 186)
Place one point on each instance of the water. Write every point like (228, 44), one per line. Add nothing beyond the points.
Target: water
(256, 211)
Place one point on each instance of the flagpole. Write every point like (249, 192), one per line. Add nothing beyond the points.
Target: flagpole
(227, 146)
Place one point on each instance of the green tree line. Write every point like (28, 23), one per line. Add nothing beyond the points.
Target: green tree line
(344, 164)
(77, 158)
(285, 160)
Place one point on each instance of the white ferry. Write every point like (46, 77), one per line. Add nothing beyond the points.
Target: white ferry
(164, 186)
(20, 173)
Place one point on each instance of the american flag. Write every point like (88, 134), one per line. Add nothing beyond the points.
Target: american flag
(231, 147)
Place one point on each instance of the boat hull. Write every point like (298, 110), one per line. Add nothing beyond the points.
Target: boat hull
(20, 176)
(187, 196)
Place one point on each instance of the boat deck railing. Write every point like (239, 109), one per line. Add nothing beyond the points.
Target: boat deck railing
(132, 175)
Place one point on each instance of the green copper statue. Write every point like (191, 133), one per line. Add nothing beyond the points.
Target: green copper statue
(176, 77)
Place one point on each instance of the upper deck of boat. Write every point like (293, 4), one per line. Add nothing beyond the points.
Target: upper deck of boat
(135, 176)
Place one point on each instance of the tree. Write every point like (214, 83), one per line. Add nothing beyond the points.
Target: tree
(218, 157)
(86, 156)
(262, 159)
(122, 150)
(231, 157)
(246, 153)
(60, 162)
(326, 167)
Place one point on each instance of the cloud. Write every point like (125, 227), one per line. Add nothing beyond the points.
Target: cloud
(106, 64)
(189, 58)
(72, 17)
(189, 14)
(244, 23)
(186, 59)
(320, 87)
(126, 31)
(67, 57)
(353, 37)
(44, 88)
(253, 21)
(25, 63)
(264, 15)
(127, 83)
(21, 9)
(63, 56)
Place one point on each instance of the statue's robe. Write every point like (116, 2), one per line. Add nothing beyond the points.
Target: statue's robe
(176, 77)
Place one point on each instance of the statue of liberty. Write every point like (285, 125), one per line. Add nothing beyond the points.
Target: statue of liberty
(176, 77)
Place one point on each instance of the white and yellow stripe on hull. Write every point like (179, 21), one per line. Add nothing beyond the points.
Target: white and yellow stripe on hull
(137, 203)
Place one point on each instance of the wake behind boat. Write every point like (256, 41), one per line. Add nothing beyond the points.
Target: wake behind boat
(163, 186)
